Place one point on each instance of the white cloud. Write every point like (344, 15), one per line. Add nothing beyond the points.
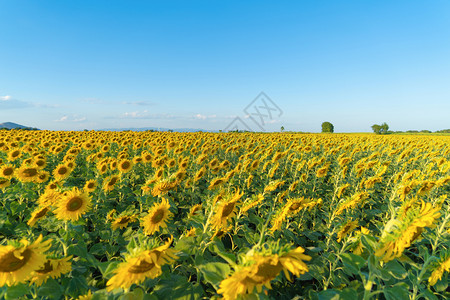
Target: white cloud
(62, 119)
(144, 114)
(73, 118)
(200, 117)
(5, 98)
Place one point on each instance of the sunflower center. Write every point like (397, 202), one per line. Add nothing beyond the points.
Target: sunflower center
(30, 172)
(124, 220)
(269, 270)
(46, 269)
(74, 204)
(158, 216)
(228, 209)
(125, 165)
(41, 213)
(10, 263)
(3, 180)
(62, 170)
(141, 267)
(294, 206)
(112, 181)
(8, 171)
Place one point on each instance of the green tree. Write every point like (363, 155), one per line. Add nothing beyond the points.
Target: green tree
(380, 129)
(327, 127)
(282, 128)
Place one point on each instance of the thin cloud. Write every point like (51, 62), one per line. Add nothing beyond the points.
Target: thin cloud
(8, 102)
(74, 119)
(138, 103)
(146, 115)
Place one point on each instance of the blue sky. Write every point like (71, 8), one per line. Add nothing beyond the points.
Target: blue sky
(74, 65)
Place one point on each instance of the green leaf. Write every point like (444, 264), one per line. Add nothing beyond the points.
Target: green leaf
(219, 249)
(178, 288)
(399, 291)
(214, 272)
(50, 289)
(76, 286)
(16, 291)
(353, 262)
(395, 269)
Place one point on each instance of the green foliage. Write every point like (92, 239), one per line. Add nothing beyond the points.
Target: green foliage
(327, 127)
(380, 129)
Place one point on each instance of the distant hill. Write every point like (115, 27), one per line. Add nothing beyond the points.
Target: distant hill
(11, 125)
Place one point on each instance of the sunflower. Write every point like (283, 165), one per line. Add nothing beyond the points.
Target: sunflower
(197, 208)
(42, 177)
(14, 154)
(125, 166)
(27, 174)
(225, 210)
(72, 205)
(140, 265)
(7, 171)
(346, 229)
(122, 222)
(163, 187)
(17, 262)
(49, 198)
(442, 266)
(4, 183)
(157, 217)
(61, 172)
(90, 186)
(110, 182)
(53, 268)
(37, 214)
(40, 163)
(262, 271)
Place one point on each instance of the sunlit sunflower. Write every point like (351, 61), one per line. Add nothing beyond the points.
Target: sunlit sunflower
(125, 166)
(42, 177)
(53, 268)
(140, 265)
(61, 172)
(157, 217)
(49, 198)
(14, 154)
(110, 182)
(72, 205)
(163, 187)
(90, 186)
(27, 174)
(40, 163)
(196, 209)
(4, 183)
(262, 271)
(17, 262)
(442, 266)
(225, 210)
(7, 171)
(122, 222)
(37, 214)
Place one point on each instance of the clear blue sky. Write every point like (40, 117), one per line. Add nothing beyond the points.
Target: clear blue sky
(106, 64)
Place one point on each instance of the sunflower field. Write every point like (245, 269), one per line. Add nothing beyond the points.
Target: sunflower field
(159, 215)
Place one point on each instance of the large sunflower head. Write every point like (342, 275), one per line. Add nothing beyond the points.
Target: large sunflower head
(27, 174)
(61, 172)
(157, 217)
(225, 210)
(38, 214)
(90, 185)
(18, 261)
(7, 171)
(125, 166)
(110, 182)
(122, 222)
(52, 268)
(14, 154)
(72, 205)
(140, 265)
